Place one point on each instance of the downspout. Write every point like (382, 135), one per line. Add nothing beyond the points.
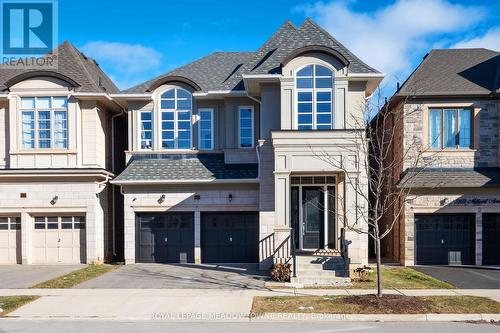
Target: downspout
(100, 187)
(260, 132)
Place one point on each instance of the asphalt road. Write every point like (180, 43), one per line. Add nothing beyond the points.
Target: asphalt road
(96, 326)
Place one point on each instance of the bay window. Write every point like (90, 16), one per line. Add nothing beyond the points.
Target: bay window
(44, 122)
(175, 109)
(450, 128)
(314, 95)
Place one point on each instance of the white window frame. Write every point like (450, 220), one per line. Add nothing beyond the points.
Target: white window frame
(36, 129)
(175, 111)
(314, 91)
(211, 128)
(252, 128)
(141, 130)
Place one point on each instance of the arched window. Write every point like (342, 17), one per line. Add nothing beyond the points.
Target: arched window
(314, 94)
(175, 109)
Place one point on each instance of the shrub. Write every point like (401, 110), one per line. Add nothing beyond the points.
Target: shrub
(281, 272)
(363, 274)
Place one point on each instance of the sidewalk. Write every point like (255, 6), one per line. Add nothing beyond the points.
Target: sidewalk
(180, 304)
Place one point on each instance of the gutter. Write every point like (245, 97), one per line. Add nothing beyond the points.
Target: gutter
(185, 181)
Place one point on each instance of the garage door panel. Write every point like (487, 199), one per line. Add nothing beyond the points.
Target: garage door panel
(163, 237)
(229, 237)
(443, 239)
(10, 240)
(491, 239)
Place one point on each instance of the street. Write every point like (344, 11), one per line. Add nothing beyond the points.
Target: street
(96, 326)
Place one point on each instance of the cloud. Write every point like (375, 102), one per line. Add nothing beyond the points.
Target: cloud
(390, 37)
(490, 40)
(128, 64)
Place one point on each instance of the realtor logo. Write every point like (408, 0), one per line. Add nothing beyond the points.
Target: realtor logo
(28, 29)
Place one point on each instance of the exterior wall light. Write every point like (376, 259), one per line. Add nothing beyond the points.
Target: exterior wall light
(230, 197)
(197, 197)
(162, 199)
(54, 200)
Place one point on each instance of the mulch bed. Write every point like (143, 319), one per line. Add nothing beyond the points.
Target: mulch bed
(391, 303)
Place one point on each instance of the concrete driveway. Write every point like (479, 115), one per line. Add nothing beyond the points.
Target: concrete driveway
(464, 277)
(176, 276)
(25, 276)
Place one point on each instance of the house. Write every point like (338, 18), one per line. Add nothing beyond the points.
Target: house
(452, 212)
(55, 162)
(222, 157)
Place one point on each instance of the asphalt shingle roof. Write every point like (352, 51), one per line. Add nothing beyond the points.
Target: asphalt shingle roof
(73, 64)
(165, 167)
(455, 72)
(224, 70)
(451, 178)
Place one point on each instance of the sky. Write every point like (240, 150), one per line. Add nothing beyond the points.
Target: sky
(134, 41)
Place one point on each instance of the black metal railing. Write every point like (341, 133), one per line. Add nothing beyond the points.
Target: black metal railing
(292, 252)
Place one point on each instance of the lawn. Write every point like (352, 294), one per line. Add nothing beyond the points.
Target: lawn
(74, 278)
(10, 303)
(370, 304)
(402, 278)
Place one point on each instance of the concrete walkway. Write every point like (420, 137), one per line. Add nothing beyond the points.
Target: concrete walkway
(178, 304)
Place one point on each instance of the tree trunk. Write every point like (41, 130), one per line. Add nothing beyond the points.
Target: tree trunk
(379, 268)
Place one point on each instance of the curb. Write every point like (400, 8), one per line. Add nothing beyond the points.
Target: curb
(431, 317)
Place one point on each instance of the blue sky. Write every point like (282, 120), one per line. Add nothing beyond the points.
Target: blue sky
(136, 40)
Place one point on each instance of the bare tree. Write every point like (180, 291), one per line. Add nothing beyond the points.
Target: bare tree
(381, 155)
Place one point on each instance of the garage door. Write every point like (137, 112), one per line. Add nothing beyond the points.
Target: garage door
(59, 239)
(10, 240)
(443, 239)
(230, 237)
(491, 239)
(166, 238)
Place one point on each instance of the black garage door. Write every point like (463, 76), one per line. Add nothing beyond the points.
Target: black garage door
(443, 239)
(230, 237)
(491, 239)
(164, 238)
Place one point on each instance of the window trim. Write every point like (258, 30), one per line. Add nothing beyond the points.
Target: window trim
(176, 120)
(140, 130)
(212, 121)
(239, 125)
(314, 92)
(36, 110)
(457, 146)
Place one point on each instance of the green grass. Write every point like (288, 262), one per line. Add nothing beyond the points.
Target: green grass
(11, 303)
(402, 278)
(74, 278)
(370, 304)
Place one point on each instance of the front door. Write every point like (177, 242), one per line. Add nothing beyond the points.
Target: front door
(313, 217)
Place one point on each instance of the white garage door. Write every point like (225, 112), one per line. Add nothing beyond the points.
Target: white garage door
(59, 239)
(10, 240)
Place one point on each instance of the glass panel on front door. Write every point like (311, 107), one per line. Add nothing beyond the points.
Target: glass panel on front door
(313, 212)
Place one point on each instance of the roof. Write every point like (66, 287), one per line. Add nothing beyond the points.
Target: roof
(203, 167)
(455, 72)
(450, 178)
(224, 70)
(73, 64)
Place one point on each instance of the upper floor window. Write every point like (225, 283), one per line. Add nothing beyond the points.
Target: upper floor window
(44, 122)
(175, 108)
(450, 128)
(245, 127)
(314, 86)
(206, 129)
(146, 130)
